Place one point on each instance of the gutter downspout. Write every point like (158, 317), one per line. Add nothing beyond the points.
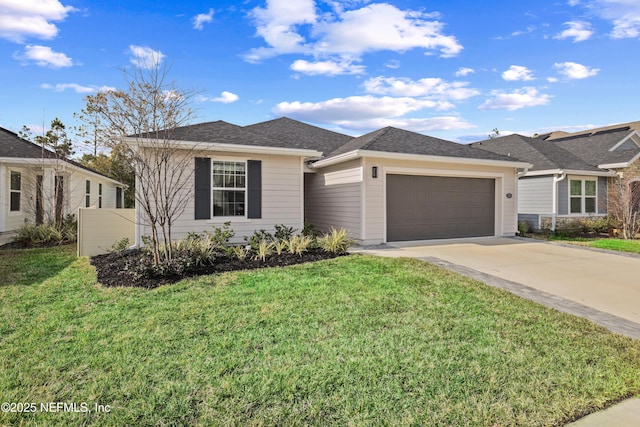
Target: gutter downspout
(556, 179)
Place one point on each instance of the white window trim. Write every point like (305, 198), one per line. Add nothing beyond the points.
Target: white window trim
(19, 211)
(583, 196)
(223, 219)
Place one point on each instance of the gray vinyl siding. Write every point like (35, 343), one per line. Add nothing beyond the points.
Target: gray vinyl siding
(563, 197)
(535, 195)
(336, 205)
(602, 195)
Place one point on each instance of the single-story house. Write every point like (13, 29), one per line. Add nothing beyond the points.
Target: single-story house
(571, 173)
(37, 187)
(388, 185)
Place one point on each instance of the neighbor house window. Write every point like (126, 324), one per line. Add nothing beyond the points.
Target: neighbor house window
(87, 197)
(100, 195)
(229, 188)
(16, 189)
(582, 194)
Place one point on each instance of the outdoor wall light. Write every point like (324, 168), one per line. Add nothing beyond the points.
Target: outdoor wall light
(509, 195)
(374, 172)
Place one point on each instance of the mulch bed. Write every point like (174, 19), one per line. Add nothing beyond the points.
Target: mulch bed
(134, 267)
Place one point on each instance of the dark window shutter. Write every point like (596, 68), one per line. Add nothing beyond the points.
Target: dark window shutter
(203, 188)
(254, 187)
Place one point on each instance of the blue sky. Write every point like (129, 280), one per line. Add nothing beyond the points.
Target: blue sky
(454, 70)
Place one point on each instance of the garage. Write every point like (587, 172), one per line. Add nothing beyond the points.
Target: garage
(438, 207)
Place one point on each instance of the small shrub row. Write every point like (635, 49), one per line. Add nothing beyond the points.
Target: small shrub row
(32, 235)
(582, 227)
(210, 252)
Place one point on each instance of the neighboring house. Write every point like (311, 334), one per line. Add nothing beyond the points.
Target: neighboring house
(37, 187)
(389, 185)
(570, 175)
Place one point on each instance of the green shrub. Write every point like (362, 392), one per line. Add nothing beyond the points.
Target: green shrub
(69, 228)
(240, 252)
(258, 236)
(220, 236)
(283, 232)
(120, 246)
(310, 230)
(34, 235)
(524, 227)
(336, 241)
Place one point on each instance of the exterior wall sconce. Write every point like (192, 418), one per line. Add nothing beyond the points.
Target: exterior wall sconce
(374, 172)
(509, 195)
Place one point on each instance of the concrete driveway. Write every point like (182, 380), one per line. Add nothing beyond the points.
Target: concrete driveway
(601, 286)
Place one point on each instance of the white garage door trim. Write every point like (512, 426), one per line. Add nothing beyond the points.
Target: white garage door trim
(499, 187)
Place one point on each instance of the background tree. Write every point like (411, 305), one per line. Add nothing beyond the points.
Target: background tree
(494, 133)
(624, 201)
(139, 122)
(48, 204)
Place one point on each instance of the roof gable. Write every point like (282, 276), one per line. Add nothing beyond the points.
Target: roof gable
(300, 135)
(544, 155)
(394, 140)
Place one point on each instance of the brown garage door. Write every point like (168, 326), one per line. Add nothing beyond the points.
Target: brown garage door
(434, 207)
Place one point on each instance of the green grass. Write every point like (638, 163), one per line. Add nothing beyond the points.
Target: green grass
(620, 245)
(357, 340)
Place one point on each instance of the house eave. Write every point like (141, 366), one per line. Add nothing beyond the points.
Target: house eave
(417, 157)
(569, 172)
(228, 148)
(21, 161)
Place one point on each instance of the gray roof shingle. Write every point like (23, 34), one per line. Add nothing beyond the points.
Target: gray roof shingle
(393, 140)
(301, 135)
(12, 146)
(544, 155)
(594, 148)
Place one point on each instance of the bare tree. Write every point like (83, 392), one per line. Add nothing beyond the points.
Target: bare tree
(624, 201)
(48, 178)
(141, 120)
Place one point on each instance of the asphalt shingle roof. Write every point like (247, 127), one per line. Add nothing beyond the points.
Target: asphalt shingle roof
(393, 140)
(11, 145)
(223, 133)
(594, 148)
(544, 155)
(301, 135)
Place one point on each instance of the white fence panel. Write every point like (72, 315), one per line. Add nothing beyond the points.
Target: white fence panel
(99, 229)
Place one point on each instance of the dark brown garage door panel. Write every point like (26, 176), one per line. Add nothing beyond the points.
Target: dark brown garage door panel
(435, 207)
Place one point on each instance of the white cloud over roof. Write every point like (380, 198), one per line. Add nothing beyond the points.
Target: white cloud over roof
(145, 57)
(623, 14)
(517, 73)
(578, 31)
(345, 35)
(432, 88)
(44, 56)
(202, 18)
(525, 97)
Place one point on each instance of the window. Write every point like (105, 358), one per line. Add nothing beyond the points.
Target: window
(87, 197)
(229, 188)
(16, 189)
(118, 198)
(99, 195)
(582, 195)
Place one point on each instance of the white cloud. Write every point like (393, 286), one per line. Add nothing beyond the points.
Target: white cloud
(517, 73)
(552, 79)
(433, 88)
(530, 29)
(353, 108)
(294, 27)
(31, 18)
(44, 56)
(427, 124)
(393, 64)
(624, 14)
(202, 18)
(145, 57)
(573, 2)
(330, 68)
(464, 71)
(574, 70)
(61, 87)
(578, 31)
(525, 97)
(224, 98)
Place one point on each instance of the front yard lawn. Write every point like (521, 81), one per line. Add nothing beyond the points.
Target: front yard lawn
(356, 340)
(620, 245)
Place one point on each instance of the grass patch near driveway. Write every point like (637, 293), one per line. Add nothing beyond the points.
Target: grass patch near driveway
(620, 245)
(357, 340)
